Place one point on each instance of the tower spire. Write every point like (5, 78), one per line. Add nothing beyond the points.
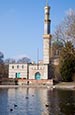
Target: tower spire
(46, 2)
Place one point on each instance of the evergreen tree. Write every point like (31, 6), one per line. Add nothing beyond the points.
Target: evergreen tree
(67, 62)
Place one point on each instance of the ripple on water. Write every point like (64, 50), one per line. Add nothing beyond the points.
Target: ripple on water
(36, 101)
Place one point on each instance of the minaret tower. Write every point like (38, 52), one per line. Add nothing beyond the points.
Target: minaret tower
(46, 35)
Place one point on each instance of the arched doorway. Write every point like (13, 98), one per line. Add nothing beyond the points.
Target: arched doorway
(37, 76)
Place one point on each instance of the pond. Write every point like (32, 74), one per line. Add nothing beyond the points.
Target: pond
(36, 101)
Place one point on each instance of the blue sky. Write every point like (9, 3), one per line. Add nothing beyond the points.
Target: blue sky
(22, 22)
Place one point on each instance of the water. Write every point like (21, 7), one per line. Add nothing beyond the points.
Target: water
(36, 101)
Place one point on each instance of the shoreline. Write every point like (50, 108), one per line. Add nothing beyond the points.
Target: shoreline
(65, 85)
(61, 85)
(25, 86)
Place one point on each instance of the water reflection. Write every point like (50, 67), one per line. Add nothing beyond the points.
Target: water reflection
(53, 101)
(30, 101)
(3, 101)
(67, 102)
(61, 102)
(36, 101)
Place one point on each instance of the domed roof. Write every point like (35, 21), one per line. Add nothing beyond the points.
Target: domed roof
(57, 43)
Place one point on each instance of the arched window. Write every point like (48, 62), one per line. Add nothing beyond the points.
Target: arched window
(22, 66)
(17, 66)
(12, 67)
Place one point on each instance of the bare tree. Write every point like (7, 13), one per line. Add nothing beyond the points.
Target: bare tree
(66, 29)
(9, 61)
(1, 57)
(24, 60)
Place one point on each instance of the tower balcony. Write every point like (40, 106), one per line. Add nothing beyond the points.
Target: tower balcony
(47, 36)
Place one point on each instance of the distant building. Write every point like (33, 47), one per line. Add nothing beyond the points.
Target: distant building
(56, 48)
(38, 71)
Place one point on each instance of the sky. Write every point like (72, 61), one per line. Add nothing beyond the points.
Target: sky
(22, 25)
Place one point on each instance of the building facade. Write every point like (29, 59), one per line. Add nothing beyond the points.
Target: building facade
(28, 71)
(38, 71)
